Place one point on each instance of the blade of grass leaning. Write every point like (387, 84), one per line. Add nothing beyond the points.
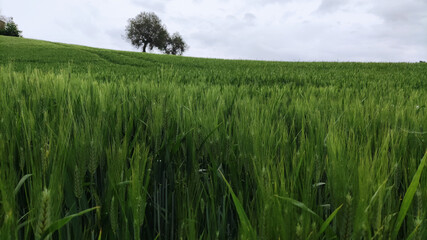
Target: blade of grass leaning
(328, 221)
(407, 199)
(414, 232)
(244, 220)
(19, 185)
(375, 196)
(301, 205)
(100, 234)
(207, 137)
(61, 222)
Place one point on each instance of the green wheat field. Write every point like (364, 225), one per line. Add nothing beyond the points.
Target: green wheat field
(104, 144)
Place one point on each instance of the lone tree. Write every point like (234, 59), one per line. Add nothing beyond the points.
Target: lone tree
(147, 30)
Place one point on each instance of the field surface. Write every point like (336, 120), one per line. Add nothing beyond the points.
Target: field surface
(103, 144)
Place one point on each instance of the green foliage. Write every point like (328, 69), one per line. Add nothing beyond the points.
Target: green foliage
(100, 144)
(11, 29)
(175, 45)
(409, 195)
(247, 232)
(61, 222)
(146, 30)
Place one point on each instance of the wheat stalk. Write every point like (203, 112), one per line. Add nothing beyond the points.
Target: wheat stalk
(348, 217)
(44, 214)
(93, 161)
(78, 186)
(113, 215)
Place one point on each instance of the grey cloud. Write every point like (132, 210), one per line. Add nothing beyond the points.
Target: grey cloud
(328, 6)
(226, 35)
(408, 12)
(238, 23)
(404, 24)
(156, 6)
(252, 2)
(205, 38)
(249, 17)
(231, 18)
(86, 26)
(115, 33)
(264, 2)
(117, 39)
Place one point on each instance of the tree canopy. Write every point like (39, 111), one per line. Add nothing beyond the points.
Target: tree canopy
(175, 45)
(147, 30)
(11, 28)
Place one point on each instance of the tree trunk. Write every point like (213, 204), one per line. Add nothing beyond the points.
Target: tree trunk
(144, 47)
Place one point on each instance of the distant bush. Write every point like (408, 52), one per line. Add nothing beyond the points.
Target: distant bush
(175, 45)
(11, 29)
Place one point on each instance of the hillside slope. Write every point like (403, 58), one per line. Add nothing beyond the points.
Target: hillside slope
(109, 65)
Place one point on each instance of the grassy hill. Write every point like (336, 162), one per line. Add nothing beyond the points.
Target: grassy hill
(110, 65)
(103, 144)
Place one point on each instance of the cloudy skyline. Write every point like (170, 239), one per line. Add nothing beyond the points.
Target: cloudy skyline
(286, 30)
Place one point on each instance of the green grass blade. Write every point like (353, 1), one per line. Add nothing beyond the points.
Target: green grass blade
(100, 234)
(300, 205)
(19, 185)
(414, 232)
(328, 221)
(375, 196)
(61, 222)
(407, 199)
(207, 137)
(244, 220)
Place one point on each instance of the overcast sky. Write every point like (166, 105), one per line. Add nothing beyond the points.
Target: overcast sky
(285, 30)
